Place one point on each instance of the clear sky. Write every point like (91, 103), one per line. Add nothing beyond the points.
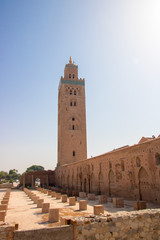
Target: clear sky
(115, 43)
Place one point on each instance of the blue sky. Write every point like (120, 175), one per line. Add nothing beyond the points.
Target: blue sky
(116, 46)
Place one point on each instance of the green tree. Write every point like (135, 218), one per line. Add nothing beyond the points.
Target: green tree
(13, 171)
(13, 174)
(35, 168)
(3, 175)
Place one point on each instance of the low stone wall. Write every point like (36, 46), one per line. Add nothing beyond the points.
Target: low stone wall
(136, 225)
(6, 231)
(56, 233)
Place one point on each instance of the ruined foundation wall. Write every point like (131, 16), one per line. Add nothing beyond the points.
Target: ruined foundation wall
(135, 225)
(6, 232)
(129, 172)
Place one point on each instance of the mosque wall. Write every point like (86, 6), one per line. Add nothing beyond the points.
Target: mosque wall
(130, 172)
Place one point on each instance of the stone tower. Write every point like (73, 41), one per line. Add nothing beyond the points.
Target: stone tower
(72, 145)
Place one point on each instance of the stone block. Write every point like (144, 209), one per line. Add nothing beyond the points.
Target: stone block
(142, 205)
(36, 200)
(98, 209)
(53, 194)
(7, 195)
(82, 205)
(49, 192)
(82, 194)
(32, 196)
(136, 205)
(4, 202)
(72, 201)
(118, 202)
(45, 207)
(40, 203)
(91, 196)
(102, 199)
(64, 198)
(3, 207)
(53, 215)
(6, 199)
(139, 205)
(58, 195)
(2, 216)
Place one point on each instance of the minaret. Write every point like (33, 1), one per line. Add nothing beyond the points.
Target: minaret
(72, 146)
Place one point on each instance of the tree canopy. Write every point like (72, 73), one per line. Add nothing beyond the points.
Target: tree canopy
(11, 176)
(3, 175)
(35, 168)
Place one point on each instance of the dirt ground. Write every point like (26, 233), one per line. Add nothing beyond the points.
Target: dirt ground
(23, 211)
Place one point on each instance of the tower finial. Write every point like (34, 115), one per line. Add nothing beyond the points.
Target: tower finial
(70, 60)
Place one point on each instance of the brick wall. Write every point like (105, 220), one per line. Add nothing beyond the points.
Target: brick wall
(130, 172)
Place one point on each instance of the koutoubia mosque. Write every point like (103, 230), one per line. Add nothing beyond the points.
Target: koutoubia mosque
(130, 172)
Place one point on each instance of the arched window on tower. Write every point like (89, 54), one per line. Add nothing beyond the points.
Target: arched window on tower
(74, 103)
(70, 92)
(73, 127)
(73, 119)
(70, 103)
(74, 92)
(74, 153)
(73, 75)
(138, 161)
(122, 165)
(69, 75)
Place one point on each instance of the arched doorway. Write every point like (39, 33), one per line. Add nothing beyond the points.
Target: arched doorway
(111, 179)
(144, 185)
(37, 182)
